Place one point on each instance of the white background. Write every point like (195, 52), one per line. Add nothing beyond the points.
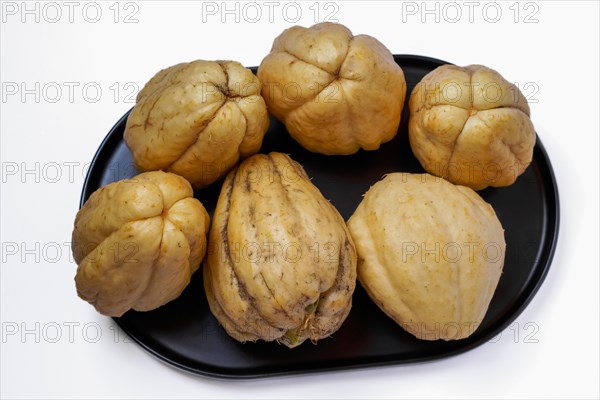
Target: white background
(56, 134)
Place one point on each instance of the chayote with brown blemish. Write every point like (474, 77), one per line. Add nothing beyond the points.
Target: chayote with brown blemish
(281, 263)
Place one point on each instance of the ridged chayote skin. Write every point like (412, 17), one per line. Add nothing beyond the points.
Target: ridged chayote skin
(335, 92)
(471, 126)
(197, 120)
(137, 242)
(281, 263)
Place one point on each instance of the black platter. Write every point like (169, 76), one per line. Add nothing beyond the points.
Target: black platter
(185, 334)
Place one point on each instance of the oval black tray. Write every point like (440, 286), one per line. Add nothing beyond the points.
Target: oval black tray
(185, 334)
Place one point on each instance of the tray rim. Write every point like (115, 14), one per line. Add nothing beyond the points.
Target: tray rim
(548, 249)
